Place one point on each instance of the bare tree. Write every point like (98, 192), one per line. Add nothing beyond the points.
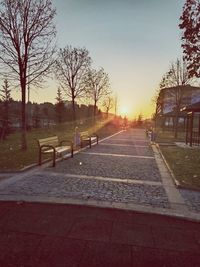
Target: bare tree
(177, 75)
(157, 101)
(175, 79)
(190, 26)
(97, 86)
(71, 68)
(108, 104)
(27, 33)
(116, 104)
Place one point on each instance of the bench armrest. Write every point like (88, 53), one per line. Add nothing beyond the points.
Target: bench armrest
(94, 134)
(47, 146)
(66, 141)
(71, 145)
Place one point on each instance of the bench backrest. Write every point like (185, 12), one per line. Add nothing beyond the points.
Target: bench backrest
(53, 141)
(84, 134)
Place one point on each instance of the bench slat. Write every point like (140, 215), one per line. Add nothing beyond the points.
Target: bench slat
(58, 149)
(49, 141)
(84, 134)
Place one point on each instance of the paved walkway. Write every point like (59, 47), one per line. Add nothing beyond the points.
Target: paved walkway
(122, 192)
(123, 171)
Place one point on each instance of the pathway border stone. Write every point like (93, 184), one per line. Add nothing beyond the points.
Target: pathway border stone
(176, 200)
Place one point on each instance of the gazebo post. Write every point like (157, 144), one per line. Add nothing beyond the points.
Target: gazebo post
(187, 126)
(199, 124)
(198, 140)
(191, 136)
(191, 128)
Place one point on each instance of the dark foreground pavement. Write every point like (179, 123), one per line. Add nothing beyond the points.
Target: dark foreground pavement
(35, 234)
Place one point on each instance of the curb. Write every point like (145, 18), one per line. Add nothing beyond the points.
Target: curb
(24, 169)
(176, 182)
(190, 216)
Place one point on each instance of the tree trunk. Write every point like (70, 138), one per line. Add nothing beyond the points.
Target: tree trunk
(107, 111)
(6, 118)
(74, 109)
(95, 108)
(23, 116)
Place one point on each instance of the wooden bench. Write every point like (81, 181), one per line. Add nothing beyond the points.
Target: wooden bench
(89, 139)
(52, 145)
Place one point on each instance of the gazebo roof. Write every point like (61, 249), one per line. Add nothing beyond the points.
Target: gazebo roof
(193, 107)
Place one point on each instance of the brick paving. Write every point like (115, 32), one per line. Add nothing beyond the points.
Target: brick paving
(61, 186)
(110, 166)
(121, 169)
(192, 199)
(130, 163)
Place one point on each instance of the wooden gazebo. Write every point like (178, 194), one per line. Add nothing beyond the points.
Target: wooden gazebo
(192, 124)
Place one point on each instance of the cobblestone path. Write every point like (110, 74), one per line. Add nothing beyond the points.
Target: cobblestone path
(123, 169)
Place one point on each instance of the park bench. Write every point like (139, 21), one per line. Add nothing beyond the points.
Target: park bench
(89, 139)
(52, 145)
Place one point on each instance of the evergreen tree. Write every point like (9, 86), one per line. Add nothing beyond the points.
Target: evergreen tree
(59, 106)
(5, 94)
(36, 116)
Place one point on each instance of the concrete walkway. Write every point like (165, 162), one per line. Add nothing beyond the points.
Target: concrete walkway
(124, 171)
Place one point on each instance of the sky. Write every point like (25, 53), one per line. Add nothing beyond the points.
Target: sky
(133, 40)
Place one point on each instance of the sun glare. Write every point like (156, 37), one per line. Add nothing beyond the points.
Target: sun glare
(124, 111)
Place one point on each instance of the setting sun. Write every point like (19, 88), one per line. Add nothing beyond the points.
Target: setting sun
(124, 111)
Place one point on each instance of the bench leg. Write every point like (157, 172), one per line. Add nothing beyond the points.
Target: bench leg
(90, 142)
(54, 159)
(40, 157)
(72, 152)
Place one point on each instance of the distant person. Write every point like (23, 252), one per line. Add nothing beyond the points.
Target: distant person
(125, 123)
(77, 138)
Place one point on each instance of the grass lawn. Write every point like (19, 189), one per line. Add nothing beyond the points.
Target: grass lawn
(12, 158)
(185, 164)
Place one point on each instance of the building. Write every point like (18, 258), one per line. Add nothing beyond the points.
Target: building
(171, 100)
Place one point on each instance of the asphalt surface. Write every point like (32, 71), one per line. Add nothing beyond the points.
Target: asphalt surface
(36, 234)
